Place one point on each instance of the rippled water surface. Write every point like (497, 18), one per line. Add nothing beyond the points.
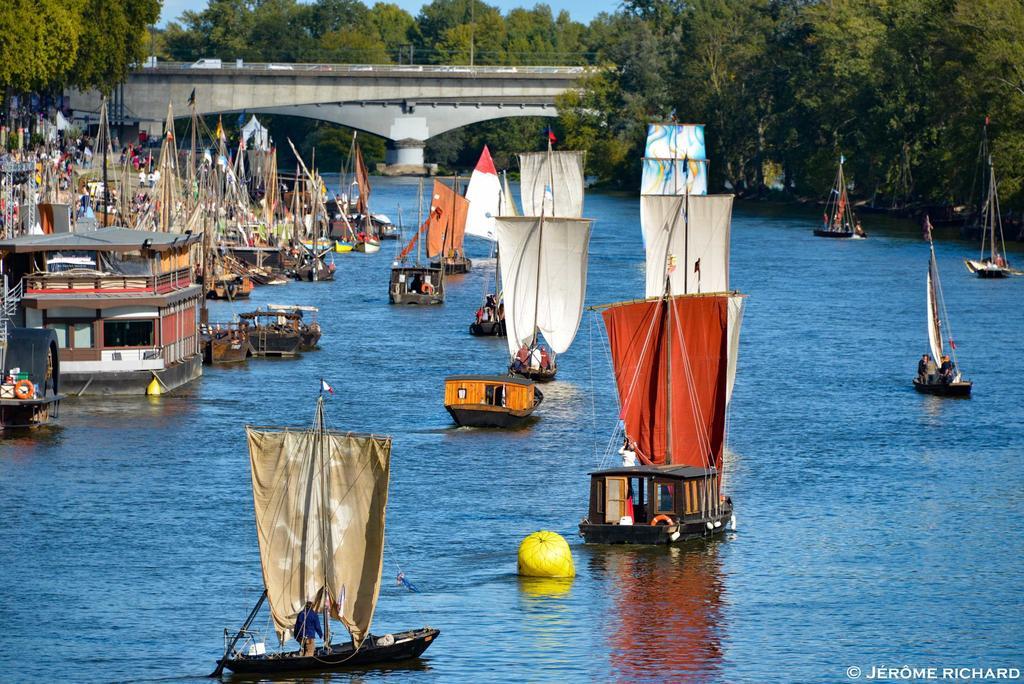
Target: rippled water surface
(876, 526)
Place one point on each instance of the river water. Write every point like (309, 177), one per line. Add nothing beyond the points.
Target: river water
(877, 527)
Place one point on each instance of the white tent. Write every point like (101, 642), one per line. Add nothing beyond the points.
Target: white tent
(258, 133)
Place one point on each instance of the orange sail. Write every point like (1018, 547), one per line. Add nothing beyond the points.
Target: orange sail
(671, 358)
(448, 212)
(363, 183)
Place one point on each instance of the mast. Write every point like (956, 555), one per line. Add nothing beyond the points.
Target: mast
(540, 244)
(106, 144)
(419, 216)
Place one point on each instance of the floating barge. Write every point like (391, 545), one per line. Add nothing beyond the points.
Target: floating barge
(495, 401)
(121, 303)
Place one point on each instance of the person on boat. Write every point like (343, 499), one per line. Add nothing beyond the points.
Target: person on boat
(946, 370)
(479, 315)
(307, 628)
(628, 453)
(545, 359)
(535, 358)
(922, 367)
(521, 359)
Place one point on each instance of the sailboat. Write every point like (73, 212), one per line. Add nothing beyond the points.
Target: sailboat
(544, 261)
(448, 213)
(674, 355)
(416, 283)
(993, 264)
(320, 498)
(366, 238)
(839, 220)
(949, 383)
(487, 200)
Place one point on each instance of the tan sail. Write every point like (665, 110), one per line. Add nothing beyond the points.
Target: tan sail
(320, 500)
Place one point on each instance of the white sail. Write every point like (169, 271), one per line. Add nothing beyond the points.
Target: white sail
(736, 304)
(507, 206)
(484, 195)
(320, 499)
(551, 183)
(704, 238)
(934, 323)
(544, 276)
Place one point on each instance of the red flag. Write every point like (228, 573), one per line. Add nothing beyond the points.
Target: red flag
(551, 135)
(629, 505)
(952, 344)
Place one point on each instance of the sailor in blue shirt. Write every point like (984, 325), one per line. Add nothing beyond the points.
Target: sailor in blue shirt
(307, 628)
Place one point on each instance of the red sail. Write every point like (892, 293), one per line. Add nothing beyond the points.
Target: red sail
(698, 341)
(441, 208)
(363, 182)
(457, 229)
(412, 243)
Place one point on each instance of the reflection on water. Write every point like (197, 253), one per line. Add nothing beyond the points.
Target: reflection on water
(666, 610)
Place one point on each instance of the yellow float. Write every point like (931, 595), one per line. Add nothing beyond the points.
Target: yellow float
(545, 554)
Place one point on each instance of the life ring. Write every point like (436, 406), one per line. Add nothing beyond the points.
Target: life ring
(24, 389)
(427, 288)
(662, 518)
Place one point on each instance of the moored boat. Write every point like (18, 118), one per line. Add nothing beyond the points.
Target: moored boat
(273, 333)
(411, 281)
(315, 560)
(309, 328)
(493, 401)
(224, 342)
(30, 380)
(992, 264)
(448, 213)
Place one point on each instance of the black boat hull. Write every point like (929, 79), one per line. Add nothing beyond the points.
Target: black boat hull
(488, 329)
(536, 374)
(942, 389)
(652, 535)
(834, 234)
(454, 265)
(406, 646)
(273, 343)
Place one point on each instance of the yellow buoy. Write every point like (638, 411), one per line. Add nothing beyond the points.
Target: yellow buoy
(545, 554)
(154, 389)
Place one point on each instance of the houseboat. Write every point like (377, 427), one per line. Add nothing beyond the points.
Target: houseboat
(496, 401)
(273, 333)
(421, 285)
(309, 329)
(660, 504)
(121, 303)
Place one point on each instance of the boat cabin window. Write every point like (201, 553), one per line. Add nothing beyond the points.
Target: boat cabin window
(615, 493)
(73, 335)
(494, 395)
(128, 333)
(462, 393)
(664, 497)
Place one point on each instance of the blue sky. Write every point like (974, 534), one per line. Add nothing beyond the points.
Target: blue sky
(581, 10)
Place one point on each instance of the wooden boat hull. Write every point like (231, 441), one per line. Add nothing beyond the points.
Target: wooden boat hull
(652, 535)
(835, 234)
(28, 413)
(454, 265)
(486, 416)
(985, 269)
(366, 247)
(224, 350)
(406, 646)
(273, 343)
(536, 374)
(488, 329)
(942, 389)
(415, 298)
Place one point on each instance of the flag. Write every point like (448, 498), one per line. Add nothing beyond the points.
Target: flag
(219, 133)
(324, 387)
(551, 135)
(696, 266)
(192, 97)
(952, 344)
(927, 228)
(629, 505)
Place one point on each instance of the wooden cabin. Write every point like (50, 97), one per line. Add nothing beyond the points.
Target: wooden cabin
(121, 302)
(669, 504)
(490, 400)
(416, 285)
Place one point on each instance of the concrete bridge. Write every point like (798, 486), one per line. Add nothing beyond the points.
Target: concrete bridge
(406, 104)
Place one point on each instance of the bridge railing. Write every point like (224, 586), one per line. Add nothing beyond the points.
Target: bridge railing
(211, 65)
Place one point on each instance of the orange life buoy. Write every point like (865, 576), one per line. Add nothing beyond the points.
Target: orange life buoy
(24, 389)
(427, 288)
(662, 518)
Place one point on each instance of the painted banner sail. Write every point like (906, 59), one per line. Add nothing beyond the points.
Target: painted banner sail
(671, 359)
(544, 276)
(675, 160)
(551, 183)
(320, 500)
(934, 322)
(484, 196)
(448, 214)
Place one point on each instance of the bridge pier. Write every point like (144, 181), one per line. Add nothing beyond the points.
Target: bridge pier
(405, 157)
